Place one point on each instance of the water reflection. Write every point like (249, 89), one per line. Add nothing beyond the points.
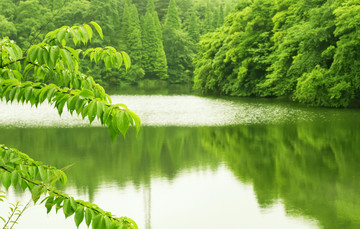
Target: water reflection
(309, 168)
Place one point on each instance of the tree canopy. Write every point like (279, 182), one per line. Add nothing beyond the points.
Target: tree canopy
(23, 21)
(299, 49)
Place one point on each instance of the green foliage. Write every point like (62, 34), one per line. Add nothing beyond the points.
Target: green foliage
(20, 171)
(53, 61)
(193, 29)
(134, 47)
(54, 66)
(178, 47)
(25, 22)
(299, 49)
(233, 60)
(154, 59)
(14, 212)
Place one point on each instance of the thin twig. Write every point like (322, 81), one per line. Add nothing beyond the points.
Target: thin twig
(10, 217)
(17, 219)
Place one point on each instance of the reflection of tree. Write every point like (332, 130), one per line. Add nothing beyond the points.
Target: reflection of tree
(155, 152)
(312, 168)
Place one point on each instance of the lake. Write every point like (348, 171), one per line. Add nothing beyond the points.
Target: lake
(200, 162)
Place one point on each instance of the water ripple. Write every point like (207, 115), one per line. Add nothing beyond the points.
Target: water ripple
(157, 110)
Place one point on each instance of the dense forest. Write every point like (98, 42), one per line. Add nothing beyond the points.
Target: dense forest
(299, 49)
(159, 35)
(305, 50)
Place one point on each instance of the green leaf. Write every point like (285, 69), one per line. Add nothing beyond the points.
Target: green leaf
(73, 52)
(89, 30)
(85, 93)
(72, 103)
(84, 34)
(92, 111)
(100, 110)
(46, 57)
(12, 94)
(36, 193)
(51, 93)
(15, 177)
(80, 105)
(98, 29)
(115, 225)
(136, 119)
(123, 125)
(63, 177)
(66, 57)
(6, 180)
(98, 222)
(73, 203)
(107, 62)
(17, 74)
(67, 208)
(60, 107)
(61, 34)
(43, 93)
(127, 61)
(79, 215)
(28, 93)
(54, 54)
(49, 204)
(106, 114)
(11, 53)
(88, 216)
(107, 222)
(43, 173)
(58, 202)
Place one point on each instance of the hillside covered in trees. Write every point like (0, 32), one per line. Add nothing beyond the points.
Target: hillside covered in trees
(159, 35)
(305, 50)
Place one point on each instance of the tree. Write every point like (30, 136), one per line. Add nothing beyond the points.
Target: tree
(193, 28)
(124, 27)
(26, 24)
(178, 47)
(54, 65)
(304, 50)
(7, 27)
(221, 16)
(134, 47)
(154, 59)
(207, 23)
(232, 60)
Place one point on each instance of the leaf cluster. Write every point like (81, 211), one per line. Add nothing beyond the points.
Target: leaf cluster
(53, 61)
(20, 171)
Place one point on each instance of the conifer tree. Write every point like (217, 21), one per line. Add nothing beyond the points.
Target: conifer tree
(161, 7)
(150, 6)
(177, 47)
(154, 59)
(207, 24)
(172, 17)
(193, 28)
(215, 19)
(221, 16)
(135, 48)
(158, 27)
(124, 26)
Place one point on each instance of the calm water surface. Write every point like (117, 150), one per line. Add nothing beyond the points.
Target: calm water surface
(201, 163)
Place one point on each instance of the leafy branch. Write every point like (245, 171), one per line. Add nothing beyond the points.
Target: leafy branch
(52, 60)
(17, 169)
